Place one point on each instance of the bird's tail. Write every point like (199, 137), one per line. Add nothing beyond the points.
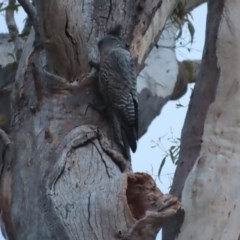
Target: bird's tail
(131, 135)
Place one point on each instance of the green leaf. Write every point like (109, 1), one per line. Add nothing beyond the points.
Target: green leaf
(161, 166)
(179, 32)
(171, 155)
(175, 150)
(191, 30)
(12, 6)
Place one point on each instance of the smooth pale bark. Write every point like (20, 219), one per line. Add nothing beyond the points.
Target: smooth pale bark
(155, 83)
(210, 196)
(203, 95)
(163, 78)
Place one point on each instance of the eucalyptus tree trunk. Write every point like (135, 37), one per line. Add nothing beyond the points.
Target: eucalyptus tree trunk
(62, 174)
(208, 168)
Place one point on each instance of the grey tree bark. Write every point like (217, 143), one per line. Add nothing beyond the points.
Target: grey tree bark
(62, 174)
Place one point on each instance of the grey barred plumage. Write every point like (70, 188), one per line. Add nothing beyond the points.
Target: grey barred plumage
(117, 82)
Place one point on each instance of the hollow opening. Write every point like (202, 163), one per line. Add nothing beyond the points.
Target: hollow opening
(142, 194)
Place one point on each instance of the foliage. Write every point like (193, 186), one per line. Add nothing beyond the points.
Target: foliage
(182, 16)
(11, 6)
(172, 153)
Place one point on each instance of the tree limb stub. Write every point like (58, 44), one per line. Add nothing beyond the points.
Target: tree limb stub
(187, 73)
(70, 194)
(143, 206)
(148, 205)
(82, 136)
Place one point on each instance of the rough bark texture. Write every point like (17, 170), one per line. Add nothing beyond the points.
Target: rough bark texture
(63, 37)
(202, 96)
(62, 175)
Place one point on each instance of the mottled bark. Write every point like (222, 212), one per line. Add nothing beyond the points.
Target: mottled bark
(210, 195)
(203, 95)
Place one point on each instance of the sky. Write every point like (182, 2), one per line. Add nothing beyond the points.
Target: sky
(169, 124)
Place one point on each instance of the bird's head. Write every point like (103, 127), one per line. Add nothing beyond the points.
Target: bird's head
(109, 42)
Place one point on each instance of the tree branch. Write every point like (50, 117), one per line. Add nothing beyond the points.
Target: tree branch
(148, 205)
(187, 73)
(32, 14)
(29, 9)
(11, 24)
(12, 28)
(165, 79)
